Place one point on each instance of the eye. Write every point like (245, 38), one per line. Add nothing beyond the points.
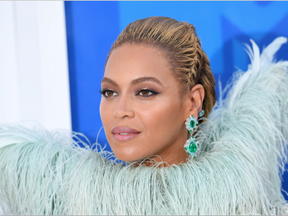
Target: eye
(147, 93)
(108, 93)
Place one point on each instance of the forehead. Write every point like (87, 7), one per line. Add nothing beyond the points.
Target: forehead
(131, 61)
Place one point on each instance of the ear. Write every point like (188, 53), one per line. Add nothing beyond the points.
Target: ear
(196, 96)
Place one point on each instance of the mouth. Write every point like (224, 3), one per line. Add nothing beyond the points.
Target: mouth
(124, 134)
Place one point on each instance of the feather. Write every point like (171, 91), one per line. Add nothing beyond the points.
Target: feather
(268, 53)
(257, 62)
(254, 55)
(243, 145)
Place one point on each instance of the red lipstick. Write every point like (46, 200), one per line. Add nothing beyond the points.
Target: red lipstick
(123, 134)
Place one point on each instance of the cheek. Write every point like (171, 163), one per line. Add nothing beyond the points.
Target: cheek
(162, 119)
(102, 111)
(106, 113)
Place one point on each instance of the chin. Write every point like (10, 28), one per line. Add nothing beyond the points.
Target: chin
(129, 156)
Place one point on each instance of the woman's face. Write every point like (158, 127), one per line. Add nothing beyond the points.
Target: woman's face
(141, 109)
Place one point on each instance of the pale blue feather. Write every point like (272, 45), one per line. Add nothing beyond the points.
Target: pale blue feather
(238, 171)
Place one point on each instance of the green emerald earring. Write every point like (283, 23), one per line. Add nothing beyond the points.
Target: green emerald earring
(192, 146)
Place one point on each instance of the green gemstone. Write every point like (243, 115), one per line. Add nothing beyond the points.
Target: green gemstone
(192, 147)
(192, 124)
(191, 131)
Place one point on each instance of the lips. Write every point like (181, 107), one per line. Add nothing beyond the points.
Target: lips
(123, 134)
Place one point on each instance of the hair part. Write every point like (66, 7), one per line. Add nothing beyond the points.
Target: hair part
(181, 47)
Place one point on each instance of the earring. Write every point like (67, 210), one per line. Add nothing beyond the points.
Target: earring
(201, 113)
(192, 146)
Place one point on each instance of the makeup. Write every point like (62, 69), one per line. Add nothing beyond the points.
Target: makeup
(124, 134)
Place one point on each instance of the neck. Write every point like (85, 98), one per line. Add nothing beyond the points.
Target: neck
(166, 160)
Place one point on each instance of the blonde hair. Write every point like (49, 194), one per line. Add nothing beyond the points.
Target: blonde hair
(182, 48)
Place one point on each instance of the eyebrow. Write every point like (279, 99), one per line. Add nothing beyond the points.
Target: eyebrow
(105, 79)
(134, 82)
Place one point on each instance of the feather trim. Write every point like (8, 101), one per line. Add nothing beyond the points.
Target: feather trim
(237, 172)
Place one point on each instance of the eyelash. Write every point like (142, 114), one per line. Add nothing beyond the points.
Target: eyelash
(104, 91)
(149, 90)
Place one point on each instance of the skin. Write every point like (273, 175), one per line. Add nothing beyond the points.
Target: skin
(160, 118)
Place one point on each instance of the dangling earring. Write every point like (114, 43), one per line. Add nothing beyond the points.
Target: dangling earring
(192, 146)
(201, 113)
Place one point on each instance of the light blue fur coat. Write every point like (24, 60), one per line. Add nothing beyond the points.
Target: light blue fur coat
(243, 153)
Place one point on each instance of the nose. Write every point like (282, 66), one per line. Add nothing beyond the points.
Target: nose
(124, 107)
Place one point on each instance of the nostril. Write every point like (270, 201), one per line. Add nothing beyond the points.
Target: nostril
(122, 112)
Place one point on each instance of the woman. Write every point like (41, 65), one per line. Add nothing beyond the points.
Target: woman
(157, 83)
(155, 78)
